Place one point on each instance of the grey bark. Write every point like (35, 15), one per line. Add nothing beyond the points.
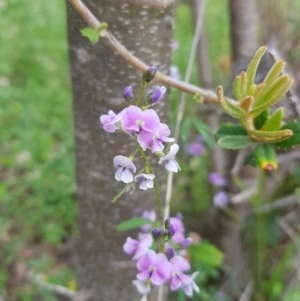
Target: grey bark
(98, 77)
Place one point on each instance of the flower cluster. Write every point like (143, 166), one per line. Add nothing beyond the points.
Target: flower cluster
(221, 198)
(159, 256)
(142, 123)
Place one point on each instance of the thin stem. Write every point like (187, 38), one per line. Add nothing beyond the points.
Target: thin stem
(156, 186)
(110, 40)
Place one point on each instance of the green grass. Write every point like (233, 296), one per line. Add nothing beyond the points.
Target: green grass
(37, 201)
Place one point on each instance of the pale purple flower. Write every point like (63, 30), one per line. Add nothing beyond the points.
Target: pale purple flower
(216, 179)
(157, 94)
(174, 72)
(156, 138)
(145, 180)
(143, 288)
(195, 148)
(137, 248)
(125, 169)
(191, 287)
(178, 237)
(169, 159)
(186, 242)
(110, 121)
(151, 216)
(221, 199)
(178, 279)
(127, 93)
(153, 266)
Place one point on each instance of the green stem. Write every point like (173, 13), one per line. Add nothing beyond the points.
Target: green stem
(140, 95)
(158, 198)
(260, 229)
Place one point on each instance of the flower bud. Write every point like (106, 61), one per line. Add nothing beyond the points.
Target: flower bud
(127, 93)
(156, 233)
(156, 94)
(149, 74)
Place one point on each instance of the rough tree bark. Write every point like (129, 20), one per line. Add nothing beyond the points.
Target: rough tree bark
(98, 77)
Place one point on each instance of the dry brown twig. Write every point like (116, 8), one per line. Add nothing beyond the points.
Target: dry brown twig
(109, 39)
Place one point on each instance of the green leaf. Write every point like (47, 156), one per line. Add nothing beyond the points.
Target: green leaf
(251, 70)
(133, 223)
(294, 139)
(206, 254)
(274, 72)
(230, 129)
(205, 131)
(273, 123)
(235, 142)
(91, 34)
(260, 120)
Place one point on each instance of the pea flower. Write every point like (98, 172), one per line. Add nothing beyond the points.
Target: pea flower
(110, 121)
(138, 248)
(221, 199)
(216, 179)
(169, 159)
(154, 266)
(178, 279)
(145, 180)
(125, 169)
(191, 286)
(143, 288)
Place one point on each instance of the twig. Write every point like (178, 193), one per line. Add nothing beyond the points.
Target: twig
(110, 40)
(243, 196)
(247, 293)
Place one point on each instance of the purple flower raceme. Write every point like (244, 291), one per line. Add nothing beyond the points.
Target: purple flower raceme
(110, 122)
(138, 248)
(125, 169)
(145, 180)
(169, 159)
(154, 266)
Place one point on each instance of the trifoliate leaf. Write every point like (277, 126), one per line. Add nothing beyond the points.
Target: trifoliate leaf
(133, 223)
(235, 142)
(294, 139)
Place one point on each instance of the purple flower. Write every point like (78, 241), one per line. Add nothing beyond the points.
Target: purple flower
(157, 94)
(175, 73)
(125, 169)
(127, 93)
(151, 216)
(217, 180)
(178, 236)
(110, 121)
(154, 266)
(191, 286)
(145, 180)
(155, 138)
(221, 199)
(169, 159)
(186, 242)
(138, 248)
(178, 279)
(194, 148)
(170, 252)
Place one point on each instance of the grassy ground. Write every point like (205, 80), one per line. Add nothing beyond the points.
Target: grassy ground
(37, 201)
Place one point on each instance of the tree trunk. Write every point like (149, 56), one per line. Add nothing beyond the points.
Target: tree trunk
(98, 77)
